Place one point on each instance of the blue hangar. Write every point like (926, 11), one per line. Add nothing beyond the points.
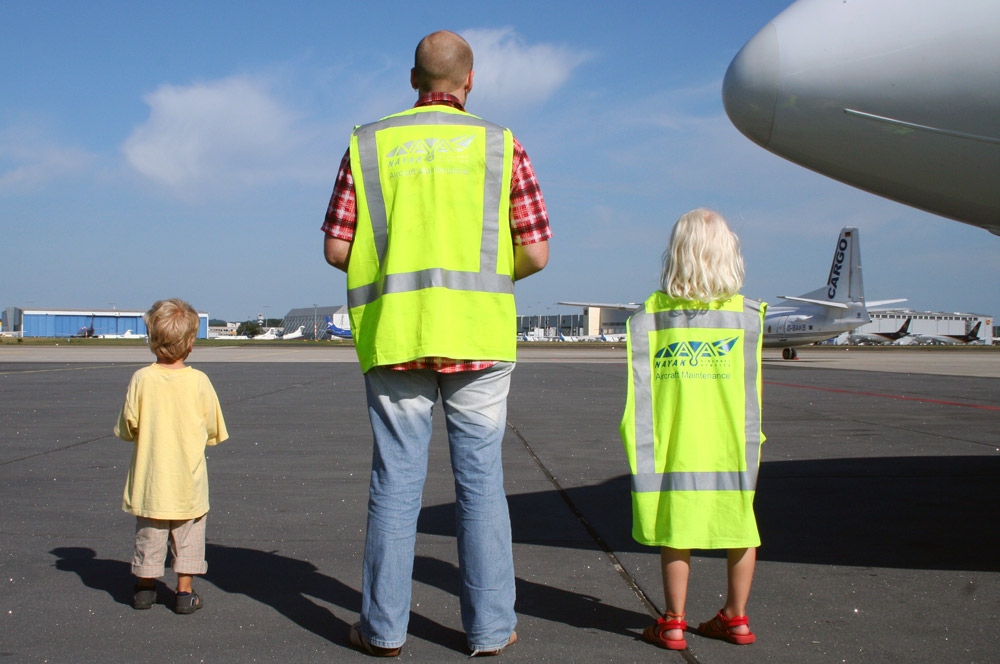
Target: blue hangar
(80, 322)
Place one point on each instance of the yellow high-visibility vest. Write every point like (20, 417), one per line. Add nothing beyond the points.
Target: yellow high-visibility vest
(431, 271)
(691, 426)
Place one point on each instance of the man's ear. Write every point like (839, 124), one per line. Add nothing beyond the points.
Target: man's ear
(413, 78)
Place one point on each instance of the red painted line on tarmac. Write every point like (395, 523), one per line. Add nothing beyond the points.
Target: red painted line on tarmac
(886, 396)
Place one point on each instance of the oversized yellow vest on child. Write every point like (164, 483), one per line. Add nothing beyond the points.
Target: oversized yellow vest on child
(691, 426)
(432, 261)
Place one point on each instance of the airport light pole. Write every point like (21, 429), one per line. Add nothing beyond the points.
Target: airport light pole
(315, 329)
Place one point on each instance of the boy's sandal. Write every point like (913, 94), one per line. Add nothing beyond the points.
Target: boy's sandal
(492, 653)
(721, 627)
(186, 603)
(143, 597)
(657, 632)
(358, 640)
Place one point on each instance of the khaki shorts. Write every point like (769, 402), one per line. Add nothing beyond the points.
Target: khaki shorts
(187, 544)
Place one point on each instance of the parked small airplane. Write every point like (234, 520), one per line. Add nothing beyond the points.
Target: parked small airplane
(899, 98)
(832, 309)
(297, 334)
(335, 331)
(128, 335)
(270, 334)
(591, 337)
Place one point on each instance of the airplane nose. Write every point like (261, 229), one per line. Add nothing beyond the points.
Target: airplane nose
(750, 88)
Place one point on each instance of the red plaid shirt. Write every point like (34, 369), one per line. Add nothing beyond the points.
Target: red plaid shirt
(529, 221)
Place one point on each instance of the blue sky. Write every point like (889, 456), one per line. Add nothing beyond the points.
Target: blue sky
(188, 149)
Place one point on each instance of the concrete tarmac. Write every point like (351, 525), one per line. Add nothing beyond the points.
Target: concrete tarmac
(876, 505)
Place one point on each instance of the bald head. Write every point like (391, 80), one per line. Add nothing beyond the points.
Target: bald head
(442, 63)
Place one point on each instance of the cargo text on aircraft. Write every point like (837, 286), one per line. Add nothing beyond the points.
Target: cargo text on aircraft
(838, 262)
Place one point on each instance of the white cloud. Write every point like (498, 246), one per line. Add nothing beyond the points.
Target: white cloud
(511, 73)
(29, 161)
(229, 133)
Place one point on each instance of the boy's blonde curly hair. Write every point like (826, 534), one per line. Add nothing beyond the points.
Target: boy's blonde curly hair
(172, 326)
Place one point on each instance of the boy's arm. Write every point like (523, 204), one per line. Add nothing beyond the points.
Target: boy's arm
(215, 424)
(127, 426)
(124, 428)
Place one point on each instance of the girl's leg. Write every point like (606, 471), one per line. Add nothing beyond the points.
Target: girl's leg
(675, 564)
(740, 565)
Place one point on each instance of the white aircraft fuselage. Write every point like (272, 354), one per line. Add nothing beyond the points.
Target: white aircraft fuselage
(787, 326)
(900, 98)
(830, 310)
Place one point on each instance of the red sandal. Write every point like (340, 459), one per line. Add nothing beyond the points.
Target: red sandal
(657, 632)
(721, 627)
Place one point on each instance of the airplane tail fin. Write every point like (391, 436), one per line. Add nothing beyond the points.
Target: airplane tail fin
(844, 283)
(974, 332)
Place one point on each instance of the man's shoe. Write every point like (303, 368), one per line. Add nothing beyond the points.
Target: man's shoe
(359, 641)
(493, 653)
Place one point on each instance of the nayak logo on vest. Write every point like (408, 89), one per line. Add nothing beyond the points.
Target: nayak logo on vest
(707, 355)
(430, 155)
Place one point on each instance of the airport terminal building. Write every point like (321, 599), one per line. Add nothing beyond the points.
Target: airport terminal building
(594, 321)
(25, 322)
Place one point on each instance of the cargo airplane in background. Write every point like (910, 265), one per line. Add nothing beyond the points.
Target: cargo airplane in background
(972, 336)
(883, 337)
(900, 98)
(838, 306)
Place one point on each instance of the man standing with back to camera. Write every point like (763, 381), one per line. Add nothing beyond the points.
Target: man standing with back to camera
(434, 215)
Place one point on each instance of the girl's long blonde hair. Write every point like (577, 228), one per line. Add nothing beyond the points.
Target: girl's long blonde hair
(703, 261)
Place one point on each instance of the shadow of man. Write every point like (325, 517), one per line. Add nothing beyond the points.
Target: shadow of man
(289, 586)
(285, 584)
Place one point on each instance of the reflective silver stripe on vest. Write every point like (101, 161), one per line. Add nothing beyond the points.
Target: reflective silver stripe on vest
(653, 482)
(646, 479)
(436, 277)
(486, 280)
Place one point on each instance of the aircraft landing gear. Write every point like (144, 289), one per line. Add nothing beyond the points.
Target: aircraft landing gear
(789, 354)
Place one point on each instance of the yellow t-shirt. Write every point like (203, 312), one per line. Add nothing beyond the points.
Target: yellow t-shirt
(170, 415)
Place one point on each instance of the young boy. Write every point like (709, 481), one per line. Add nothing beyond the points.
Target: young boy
(171, 413)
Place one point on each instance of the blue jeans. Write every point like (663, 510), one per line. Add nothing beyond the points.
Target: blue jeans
(475, 407)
